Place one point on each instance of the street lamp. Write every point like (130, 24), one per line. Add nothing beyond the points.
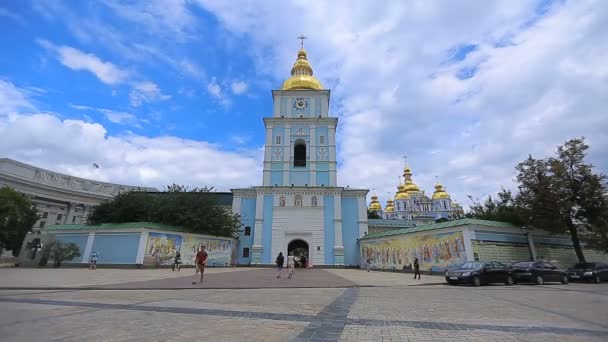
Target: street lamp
(526, 231)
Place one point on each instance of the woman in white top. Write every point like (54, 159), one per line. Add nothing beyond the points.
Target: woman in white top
(291, 264)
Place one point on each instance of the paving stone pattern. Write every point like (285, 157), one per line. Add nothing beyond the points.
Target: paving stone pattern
(337, 313)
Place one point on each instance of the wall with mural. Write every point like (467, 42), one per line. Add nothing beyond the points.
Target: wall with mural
(436, 250)
(219, 250)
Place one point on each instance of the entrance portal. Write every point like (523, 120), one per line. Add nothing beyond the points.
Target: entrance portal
(299, 248)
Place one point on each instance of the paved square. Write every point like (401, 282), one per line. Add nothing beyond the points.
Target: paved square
(335, 305)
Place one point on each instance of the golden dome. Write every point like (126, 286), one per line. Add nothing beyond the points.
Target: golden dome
(375, 205)
(401, 194)
(389, 207)
(302, 75)
(411, 187)
(440, 192)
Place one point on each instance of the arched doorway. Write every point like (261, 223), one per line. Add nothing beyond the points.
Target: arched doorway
(299, 248)
(299, 153)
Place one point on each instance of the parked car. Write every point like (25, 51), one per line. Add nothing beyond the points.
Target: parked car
(589, 271)
(478, 273)
(538, 272)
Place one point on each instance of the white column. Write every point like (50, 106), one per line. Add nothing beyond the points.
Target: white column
(333, 181)
(313, 157)
(531, 246)
(267, 156)
(468, 235)
(259, 220)
(338, 221)
(362, 213)
(88, 248)
(287, 150)
(141, 248)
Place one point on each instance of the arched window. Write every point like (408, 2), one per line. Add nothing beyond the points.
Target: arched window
(247, 231)
(299, 153)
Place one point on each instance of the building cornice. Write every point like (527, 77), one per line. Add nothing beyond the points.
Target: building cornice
(322, 121)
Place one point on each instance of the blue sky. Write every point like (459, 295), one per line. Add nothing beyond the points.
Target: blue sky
(158, 92)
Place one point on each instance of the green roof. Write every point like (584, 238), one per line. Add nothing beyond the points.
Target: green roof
(117, 226)
(390, 223)
(433, 226)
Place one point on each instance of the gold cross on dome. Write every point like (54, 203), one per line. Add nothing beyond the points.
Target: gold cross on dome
(302, 37)
(405, 159)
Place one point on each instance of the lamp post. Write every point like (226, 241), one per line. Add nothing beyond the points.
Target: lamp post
(526, 231)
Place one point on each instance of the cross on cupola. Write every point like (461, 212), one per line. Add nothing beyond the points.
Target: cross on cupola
(301, 38)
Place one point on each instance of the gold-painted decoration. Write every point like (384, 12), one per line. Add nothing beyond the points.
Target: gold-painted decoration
(302, 75)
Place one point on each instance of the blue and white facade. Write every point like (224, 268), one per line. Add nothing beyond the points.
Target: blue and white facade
(299, 198)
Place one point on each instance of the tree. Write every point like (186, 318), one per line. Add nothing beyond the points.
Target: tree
(17, 216)
(503, 209)
(562, 194)
(195, 210)
(371, 214)
(59, 252)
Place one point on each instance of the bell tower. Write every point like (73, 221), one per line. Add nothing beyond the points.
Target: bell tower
(300, 136)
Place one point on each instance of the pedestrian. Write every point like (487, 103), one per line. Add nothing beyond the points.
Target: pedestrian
(93, 261)
(368, 263)
(279, 261)
(200, 262)
(157, 258)
(177, 261)
(291, 264)
(304, 262)
(416, 268)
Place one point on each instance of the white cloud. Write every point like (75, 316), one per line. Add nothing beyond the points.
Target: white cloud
(13, 99)
(533, 82)
(146, 92)
(216, 91)
(74, 59)
(121, 117)
(239, 87)
(71, 146)
(170, 18)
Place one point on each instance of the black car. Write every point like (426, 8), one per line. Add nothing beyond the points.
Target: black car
(538, 272)
(589, 271)
(477, 273)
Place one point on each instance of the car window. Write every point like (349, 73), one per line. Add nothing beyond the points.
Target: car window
(499, 265)
(472, 265)
(525, 264)
(548, 265)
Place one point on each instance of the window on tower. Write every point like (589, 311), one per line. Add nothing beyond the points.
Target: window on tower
(278, 140)
(322, 140)
(299, 153)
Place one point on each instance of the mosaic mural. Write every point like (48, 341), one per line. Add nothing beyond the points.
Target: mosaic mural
(165, 245)
(437, 250)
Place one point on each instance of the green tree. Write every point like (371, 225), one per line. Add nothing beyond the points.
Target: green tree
(502, 209)
(17, 216)
(59, 251)
(193, 209)
(562, 194)
(372, 214)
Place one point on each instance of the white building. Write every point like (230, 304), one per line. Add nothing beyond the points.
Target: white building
(300, 208)
(59, 198)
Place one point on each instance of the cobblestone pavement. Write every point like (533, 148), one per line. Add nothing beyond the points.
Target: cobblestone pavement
(575, 312)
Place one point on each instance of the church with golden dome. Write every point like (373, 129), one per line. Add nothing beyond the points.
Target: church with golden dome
(300, 208)
(412, 204)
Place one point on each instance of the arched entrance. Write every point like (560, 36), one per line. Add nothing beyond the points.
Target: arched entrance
(299, 248)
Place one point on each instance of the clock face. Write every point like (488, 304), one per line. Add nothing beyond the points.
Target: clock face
(300, 104)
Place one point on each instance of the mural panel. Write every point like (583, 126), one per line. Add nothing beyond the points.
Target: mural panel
(437, 250)
(219, 250)
(163, 244)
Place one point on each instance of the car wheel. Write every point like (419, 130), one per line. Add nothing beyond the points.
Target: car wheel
(565, 279)
(509, 281)
(476, 281)
(597, 279)
(539, 280)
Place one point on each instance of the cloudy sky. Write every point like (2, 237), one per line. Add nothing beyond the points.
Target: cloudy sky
(160, 92)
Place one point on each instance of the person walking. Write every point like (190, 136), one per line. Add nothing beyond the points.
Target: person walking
(280, 261)
(93, 261)
(416, 268)
(368, 263)
(199, 262)
(291, 264)
(177, 261)
(157, 258)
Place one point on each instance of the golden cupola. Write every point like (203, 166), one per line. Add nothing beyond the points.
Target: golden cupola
(389, 206)
(410, 186)
(375, 205)
(440, 192)
(401, 194)
(302, 75)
